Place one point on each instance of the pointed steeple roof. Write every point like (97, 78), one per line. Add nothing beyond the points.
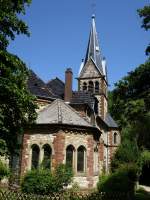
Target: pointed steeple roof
(93, 49)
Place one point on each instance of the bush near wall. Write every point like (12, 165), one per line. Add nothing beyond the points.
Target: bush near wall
(123, 180)
(4, 171)
(43, 182)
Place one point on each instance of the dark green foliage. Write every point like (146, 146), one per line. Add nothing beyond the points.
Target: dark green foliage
(38, 182)
(130, 100)
(145, 15)
(130, 106)
(43, 181)
(123, 180)
(10, 24)
(63, 176)
(4, 171)
(144, 166)
(142, 195)
(3, 147)
(126, 153)
(17, 106)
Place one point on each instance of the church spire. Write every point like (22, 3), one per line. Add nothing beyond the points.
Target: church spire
(93, 49)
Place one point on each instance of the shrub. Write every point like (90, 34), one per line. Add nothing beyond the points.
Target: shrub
(4, 171)
(123, 180)
(37, 182)
(75, 188)
(43, 182)
(62, 176)
(141, 194)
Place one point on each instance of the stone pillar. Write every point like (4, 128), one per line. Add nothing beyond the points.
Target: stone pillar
(90, 162)
(59, 144)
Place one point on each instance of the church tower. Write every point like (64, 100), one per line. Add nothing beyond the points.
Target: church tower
(93, 73)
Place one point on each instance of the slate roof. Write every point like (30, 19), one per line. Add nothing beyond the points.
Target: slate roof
(59, 112)
(110, 121)
(38, 88)
(83, 97)
(93, 49)
(57, 87)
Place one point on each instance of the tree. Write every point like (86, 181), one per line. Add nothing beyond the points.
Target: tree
(17, 107)
(145, 15)
(130, 106)
(10, 24)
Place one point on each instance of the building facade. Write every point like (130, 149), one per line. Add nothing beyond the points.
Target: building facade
(73, 127)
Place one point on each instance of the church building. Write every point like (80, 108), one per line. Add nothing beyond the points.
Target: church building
(73, 127)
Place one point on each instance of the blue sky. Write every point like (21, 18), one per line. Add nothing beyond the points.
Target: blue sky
(60, 30)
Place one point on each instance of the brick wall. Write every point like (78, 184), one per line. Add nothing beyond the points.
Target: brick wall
(59, 147)
(58, 141)
(24, 154)
(90, 161)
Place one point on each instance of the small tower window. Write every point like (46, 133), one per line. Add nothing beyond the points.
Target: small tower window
(81, 159)
(47, 156)
(35, 156)
(91, 87)
(115, 138)
(69, 156)
(84, 86)
(96, 87)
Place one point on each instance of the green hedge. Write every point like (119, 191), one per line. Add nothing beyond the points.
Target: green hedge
(123, 180)
(43, 182)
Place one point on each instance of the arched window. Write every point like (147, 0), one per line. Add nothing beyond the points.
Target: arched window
(47, 156)
(81, 159)
(96, 87)
(91, 87)
(69, 156)
(35, 156)
(115, 138)
(84, 86)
